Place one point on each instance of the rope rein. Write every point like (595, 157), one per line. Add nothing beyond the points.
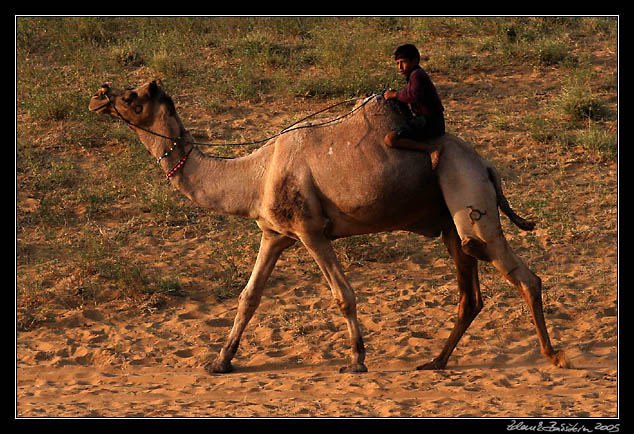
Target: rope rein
(176, 140)
(290, 128)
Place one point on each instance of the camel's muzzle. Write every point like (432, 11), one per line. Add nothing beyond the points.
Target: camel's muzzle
(100, 100)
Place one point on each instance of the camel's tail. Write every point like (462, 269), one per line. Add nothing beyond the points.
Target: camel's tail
(494, 176)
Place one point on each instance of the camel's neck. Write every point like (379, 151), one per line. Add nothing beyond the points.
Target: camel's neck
(226, 186)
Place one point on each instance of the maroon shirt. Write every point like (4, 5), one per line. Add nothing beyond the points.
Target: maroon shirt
(420, 93)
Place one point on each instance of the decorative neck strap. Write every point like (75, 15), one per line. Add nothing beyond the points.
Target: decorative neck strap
(180, 164)
(169, 151)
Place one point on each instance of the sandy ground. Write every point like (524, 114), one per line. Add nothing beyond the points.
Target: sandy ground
(104, 362)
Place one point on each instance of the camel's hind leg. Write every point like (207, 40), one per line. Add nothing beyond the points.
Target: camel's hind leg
(470, 298)
(494, 248)
(271, 247)
(530, 286)
(472, 201)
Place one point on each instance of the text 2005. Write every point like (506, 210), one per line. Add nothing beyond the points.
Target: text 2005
(607, 428)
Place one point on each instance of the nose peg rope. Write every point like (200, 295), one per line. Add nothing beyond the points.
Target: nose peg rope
(103, 91)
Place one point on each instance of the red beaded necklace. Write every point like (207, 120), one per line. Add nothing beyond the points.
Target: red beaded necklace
(180, 164)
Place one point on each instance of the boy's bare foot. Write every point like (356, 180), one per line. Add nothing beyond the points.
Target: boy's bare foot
(393, 141)
(435, 157)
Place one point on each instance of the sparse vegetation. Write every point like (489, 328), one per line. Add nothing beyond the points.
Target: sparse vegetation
(96, 221)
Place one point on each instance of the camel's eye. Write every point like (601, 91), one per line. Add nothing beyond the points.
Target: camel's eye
(131, 97)
(138, 109)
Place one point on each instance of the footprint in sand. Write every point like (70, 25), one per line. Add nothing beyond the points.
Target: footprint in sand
(184, 353)
(503, 382)
(191, 315)
(276, 354)
(219, 322)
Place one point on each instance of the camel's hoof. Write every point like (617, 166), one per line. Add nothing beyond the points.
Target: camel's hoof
(357, 367)
(434, 365)
(217, 367)
(561, 361)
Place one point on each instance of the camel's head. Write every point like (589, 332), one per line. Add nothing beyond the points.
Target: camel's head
(140, 106)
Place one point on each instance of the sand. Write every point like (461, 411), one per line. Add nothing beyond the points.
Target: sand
(111, 361)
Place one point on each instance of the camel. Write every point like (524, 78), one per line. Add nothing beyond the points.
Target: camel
(321, 183)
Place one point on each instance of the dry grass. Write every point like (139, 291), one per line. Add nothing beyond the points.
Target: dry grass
(97, 224)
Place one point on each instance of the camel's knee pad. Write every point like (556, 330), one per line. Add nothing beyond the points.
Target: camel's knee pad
(475, 247)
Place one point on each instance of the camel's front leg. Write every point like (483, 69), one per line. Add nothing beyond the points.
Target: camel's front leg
(271, 247)
(321, 249)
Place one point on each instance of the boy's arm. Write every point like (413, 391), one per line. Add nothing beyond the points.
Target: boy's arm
(413, 91)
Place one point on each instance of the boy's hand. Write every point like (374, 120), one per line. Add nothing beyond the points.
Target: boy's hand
(389, 94)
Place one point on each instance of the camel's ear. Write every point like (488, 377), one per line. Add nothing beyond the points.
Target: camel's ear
(169, 103)
(154, 88)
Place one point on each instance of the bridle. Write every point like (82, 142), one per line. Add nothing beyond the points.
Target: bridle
(103, 90)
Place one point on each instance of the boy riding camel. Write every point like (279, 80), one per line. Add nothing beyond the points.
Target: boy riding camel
(422, 97)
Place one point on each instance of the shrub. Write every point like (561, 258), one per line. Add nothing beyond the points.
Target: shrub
(581, 103)
(552, 52)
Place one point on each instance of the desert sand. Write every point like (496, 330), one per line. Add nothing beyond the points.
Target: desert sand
(112, 361)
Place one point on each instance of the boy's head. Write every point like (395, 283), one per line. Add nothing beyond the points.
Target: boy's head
(407, 58)
(408, 52)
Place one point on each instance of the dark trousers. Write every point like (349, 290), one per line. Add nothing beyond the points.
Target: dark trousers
(422, 127)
